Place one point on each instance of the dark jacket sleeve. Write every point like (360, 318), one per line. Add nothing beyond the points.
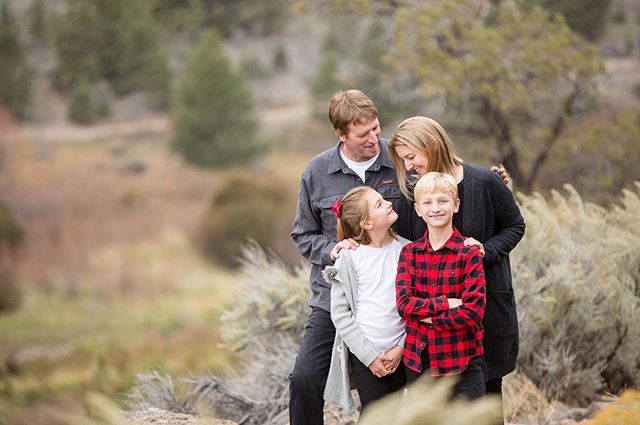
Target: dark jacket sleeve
(509, 221)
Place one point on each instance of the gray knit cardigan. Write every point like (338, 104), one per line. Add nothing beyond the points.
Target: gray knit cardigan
(349, 337)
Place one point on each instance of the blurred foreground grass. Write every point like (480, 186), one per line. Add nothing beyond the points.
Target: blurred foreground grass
(57, 348)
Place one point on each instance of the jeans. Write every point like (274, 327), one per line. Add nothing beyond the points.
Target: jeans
(309, 375)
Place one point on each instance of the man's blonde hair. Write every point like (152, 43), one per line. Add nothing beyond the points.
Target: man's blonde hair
(347, 107)
(435, 182)
(424, 135)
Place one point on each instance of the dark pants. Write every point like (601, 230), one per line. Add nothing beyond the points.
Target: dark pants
(494, 386)
(470, 383)
(371, 388)
(309, 375)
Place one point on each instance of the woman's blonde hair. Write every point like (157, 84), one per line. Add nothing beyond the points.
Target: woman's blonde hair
(427, 136)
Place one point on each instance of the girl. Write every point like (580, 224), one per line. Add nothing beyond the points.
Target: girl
(369, 331)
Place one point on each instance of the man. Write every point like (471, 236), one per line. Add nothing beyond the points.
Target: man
(359, 158)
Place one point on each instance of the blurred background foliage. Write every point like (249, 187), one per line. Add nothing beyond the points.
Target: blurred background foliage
(143, 143)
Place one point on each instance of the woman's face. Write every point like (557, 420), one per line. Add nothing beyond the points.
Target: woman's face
(414, 161)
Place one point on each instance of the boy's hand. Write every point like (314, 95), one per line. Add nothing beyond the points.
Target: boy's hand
(391, 359)
(343, 244)
(377, 367)
(473, 242)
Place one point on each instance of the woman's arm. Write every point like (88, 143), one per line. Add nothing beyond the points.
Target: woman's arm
(509, 222)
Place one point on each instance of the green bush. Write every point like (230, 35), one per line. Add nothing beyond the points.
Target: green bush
(213, 110)
(87, 105)
(246, 207)
(15, 73)
(598, 155)
(587, 17)
(10, 294)
(112, 40)
(576, 275)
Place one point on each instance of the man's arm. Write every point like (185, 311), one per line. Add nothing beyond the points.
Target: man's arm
(307, 230)
(409, 305)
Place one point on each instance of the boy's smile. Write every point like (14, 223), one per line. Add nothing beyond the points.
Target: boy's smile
(437, 209)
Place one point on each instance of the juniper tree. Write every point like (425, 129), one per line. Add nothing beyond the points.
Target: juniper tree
(523, 73)
(213, 110)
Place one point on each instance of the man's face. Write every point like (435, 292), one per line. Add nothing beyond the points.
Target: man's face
(361, 141)
(437, 209)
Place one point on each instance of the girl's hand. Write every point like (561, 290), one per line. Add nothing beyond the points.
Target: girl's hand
(392, 358)
(473, 242)
(343, 244)
(377, 367)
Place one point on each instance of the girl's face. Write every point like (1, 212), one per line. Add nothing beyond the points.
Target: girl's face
(414, 161)
(381, 214)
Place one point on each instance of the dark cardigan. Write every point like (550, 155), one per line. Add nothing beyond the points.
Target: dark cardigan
(490, 215)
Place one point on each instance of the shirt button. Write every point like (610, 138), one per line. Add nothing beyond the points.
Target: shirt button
(433, 284)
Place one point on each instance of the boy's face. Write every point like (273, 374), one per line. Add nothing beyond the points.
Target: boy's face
(437, 208)
(361, 141)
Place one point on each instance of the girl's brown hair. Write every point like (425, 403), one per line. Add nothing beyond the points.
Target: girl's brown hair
(427, 136)
(353, 211)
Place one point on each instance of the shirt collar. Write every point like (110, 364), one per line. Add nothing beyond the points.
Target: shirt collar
(453, 243)
(336, 163)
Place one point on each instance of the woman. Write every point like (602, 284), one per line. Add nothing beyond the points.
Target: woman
(488, 216)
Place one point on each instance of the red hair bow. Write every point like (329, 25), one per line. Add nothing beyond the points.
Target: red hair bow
(336, 208)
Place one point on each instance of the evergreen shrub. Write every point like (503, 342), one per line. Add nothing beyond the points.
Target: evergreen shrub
(248, 206)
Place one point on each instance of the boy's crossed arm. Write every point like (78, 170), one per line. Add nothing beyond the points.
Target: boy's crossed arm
(411, 306)
(443, 312)
(473, 302)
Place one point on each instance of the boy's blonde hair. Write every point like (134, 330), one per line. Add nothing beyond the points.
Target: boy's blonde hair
(424, 135)
(350, 106)
(435, 182)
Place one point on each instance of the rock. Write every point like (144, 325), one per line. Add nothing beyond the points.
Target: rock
(154, 416)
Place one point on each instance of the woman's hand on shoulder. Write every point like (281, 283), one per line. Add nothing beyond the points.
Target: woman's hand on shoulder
(474, 242)
(343, 244)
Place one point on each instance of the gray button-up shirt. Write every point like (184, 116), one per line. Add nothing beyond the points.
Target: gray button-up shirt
(325, 179)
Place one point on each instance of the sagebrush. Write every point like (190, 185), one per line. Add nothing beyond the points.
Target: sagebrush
(577, 282)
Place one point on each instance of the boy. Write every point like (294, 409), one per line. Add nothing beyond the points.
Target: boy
(440, 293)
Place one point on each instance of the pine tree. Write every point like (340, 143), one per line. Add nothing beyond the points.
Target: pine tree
(213, 110)
(116, 41)
(15, 72)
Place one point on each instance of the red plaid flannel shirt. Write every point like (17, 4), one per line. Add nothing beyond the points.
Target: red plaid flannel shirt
(425, 279)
